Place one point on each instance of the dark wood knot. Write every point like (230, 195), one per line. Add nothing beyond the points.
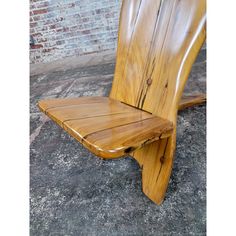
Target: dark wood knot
(129, 149)
(149, 81)
(162, 159)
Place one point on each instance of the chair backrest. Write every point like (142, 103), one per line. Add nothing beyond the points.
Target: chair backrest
(157, 44)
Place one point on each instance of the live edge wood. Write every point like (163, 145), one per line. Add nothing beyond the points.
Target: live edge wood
(158, 42)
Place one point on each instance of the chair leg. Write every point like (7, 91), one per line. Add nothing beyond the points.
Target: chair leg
(191, 100)
(156, 161)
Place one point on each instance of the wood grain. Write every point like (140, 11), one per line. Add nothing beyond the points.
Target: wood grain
(191, 100)
(105, 126)
(157, 45)
(158, 42)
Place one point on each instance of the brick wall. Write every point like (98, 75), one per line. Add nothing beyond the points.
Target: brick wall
(64, 28)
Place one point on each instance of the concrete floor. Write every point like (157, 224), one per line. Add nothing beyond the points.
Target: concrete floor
(72, 192)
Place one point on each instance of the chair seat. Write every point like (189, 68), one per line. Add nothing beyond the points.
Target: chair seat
(107, 127)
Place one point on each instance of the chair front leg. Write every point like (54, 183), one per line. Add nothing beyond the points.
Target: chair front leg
(156, 160)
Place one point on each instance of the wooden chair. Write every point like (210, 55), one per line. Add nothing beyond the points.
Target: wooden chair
(157, 45)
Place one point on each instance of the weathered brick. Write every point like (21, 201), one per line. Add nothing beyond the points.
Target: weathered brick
(63, 28)
(40, 11)
(36, 46)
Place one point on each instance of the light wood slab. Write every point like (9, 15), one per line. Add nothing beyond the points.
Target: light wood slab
(191, 100)
(158, 42)
(105, 126)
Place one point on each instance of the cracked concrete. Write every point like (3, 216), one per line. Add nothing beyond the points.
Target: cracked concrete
(72, 192)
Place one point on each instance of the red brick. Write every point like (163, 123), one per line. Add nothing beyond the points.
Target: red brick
(41, 11)
(36, 46)
(67, 28)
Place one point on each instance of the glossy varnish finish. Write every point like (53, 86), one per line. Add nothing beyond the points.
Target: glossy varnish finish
(157, 45)
(105, 126)
(191, 100)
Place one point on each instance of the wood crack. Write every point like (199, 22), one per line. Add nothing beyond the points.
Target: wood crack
(144, 88)
(86, 136)
(87, 117)
(65, 106)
